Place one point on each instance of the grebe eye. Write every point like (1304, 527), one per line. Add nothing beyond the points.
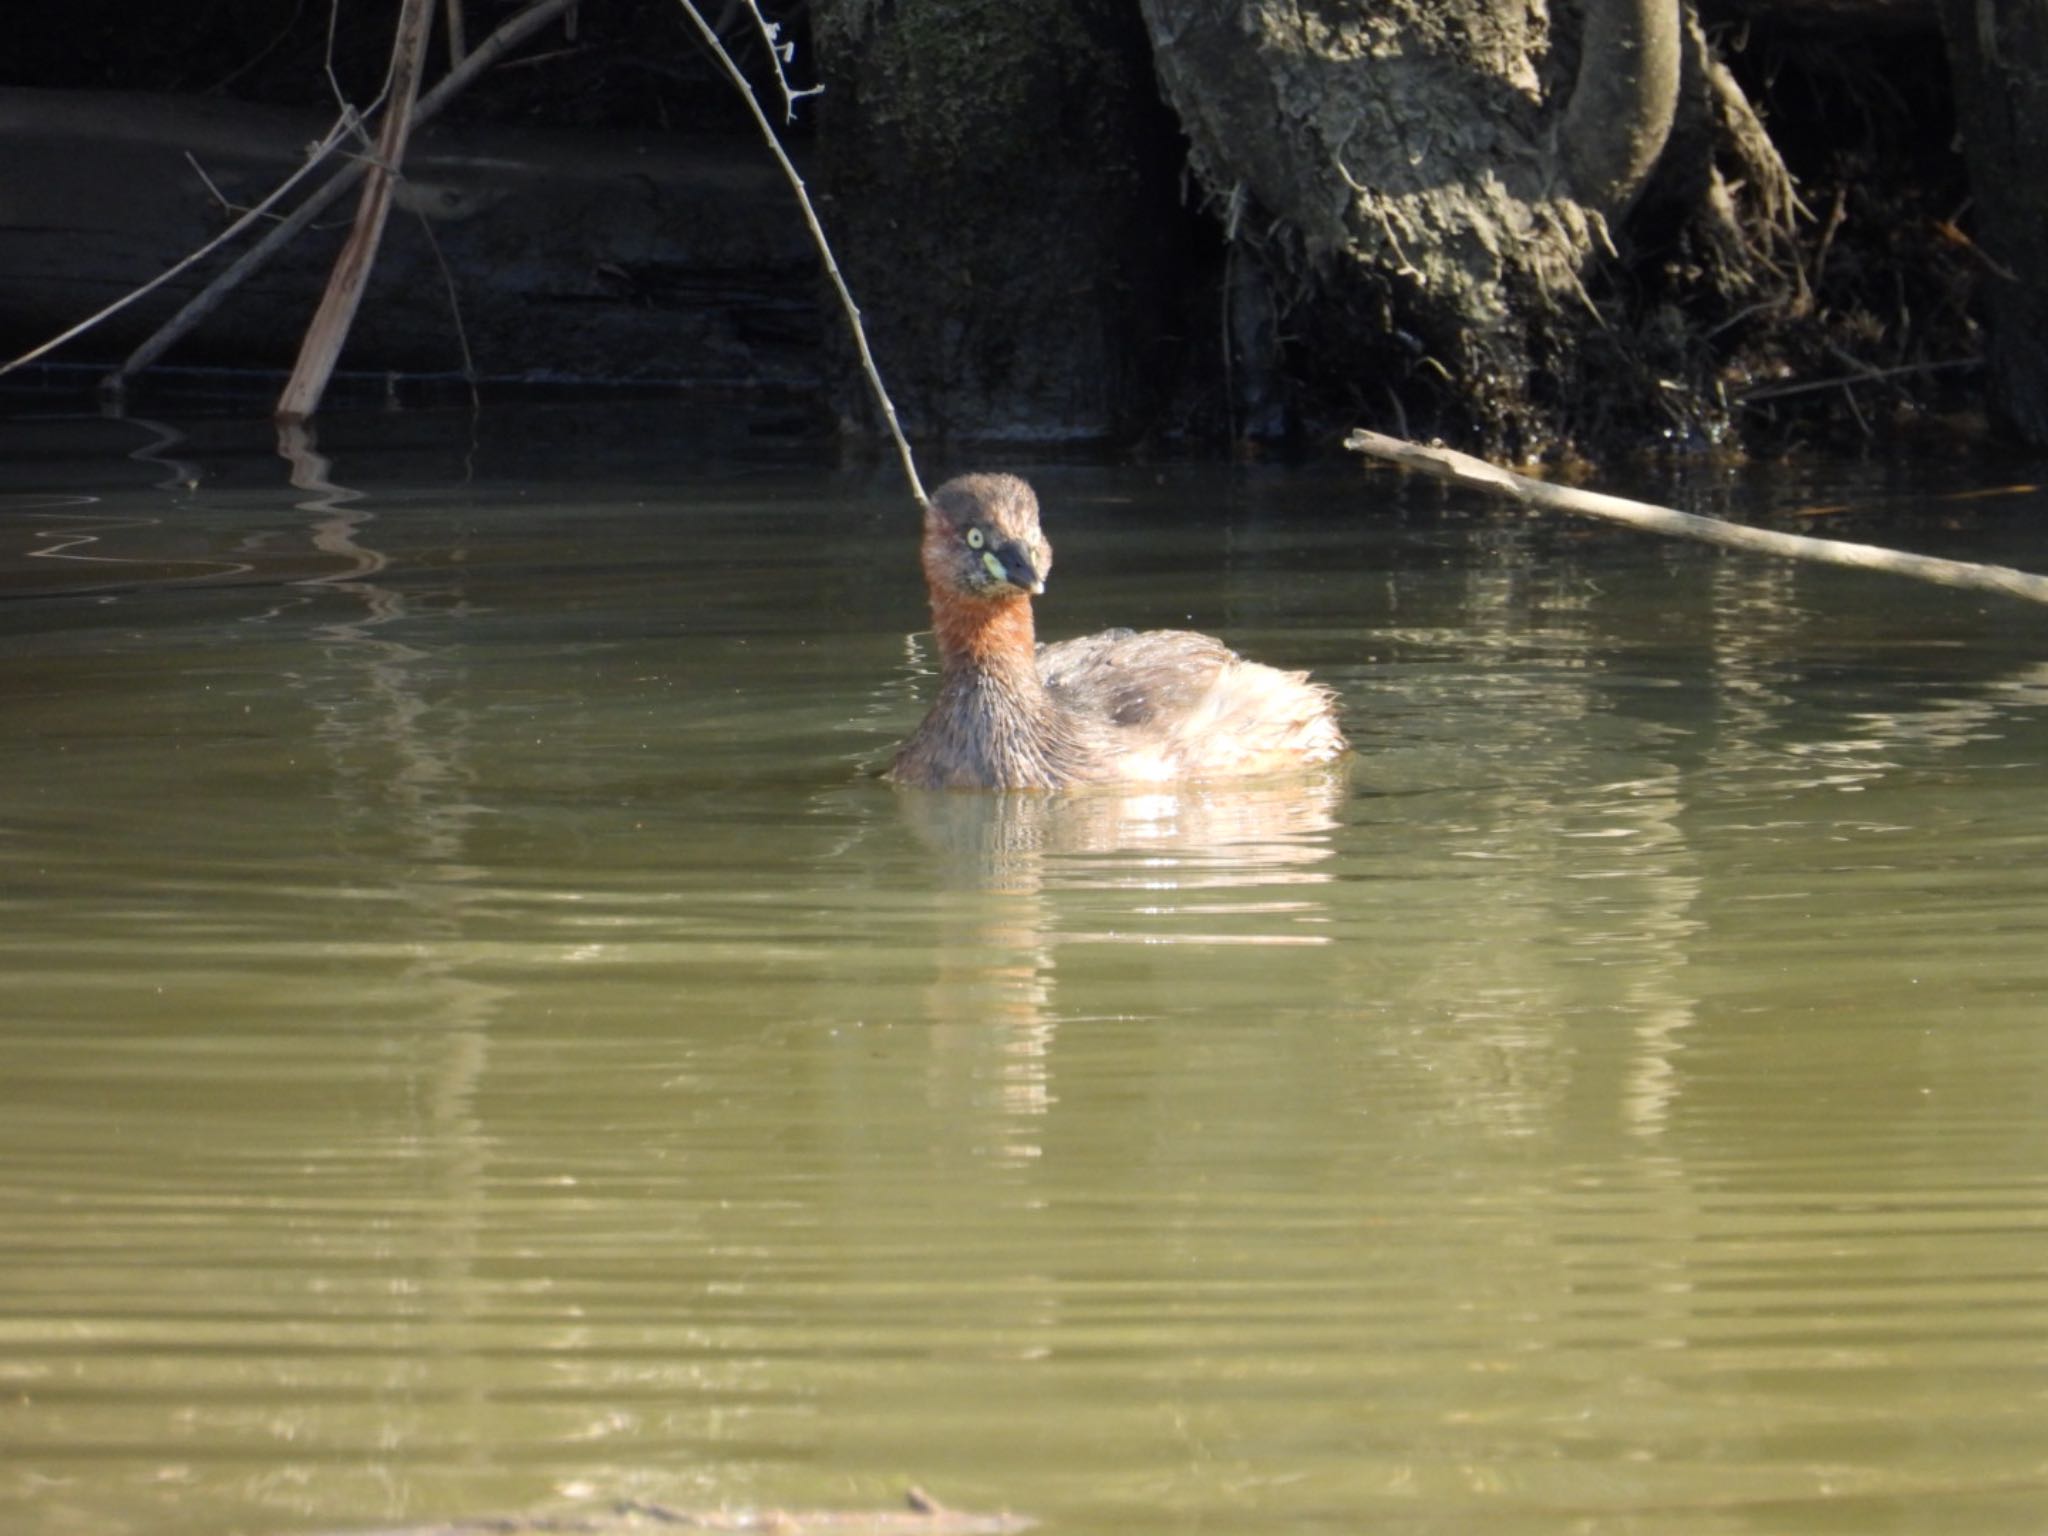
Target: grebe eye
(975, 538)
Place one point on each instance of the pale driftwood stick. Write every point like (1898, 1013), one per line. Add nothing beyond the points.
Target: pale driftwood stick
(208, 299)
(337, 311)
(803, 197)
(1462, 468)
(319, 153)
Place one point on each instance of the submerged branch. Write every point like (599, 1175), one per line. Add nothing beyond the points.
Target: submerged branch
(1463, 469)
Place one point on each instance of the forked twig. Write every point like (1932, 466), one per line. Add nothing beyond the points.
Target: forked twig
(780, 54)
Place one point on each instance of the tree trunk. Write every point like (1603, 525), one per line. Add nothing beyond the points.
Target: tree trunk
(1435, 182)
(997, 183)
(1998, 50)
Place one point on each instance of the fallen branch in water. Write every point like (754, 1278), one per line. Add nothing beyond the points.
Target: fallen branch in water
(337, 312)
(1463, 469)
(474, 63)
(803, 198)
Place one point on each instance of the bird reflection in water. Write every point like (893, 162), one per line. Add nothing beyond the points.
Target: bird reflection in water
(1193, 864)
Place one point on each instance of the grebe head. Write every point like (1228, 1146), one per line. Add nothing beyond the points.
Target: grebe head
(981, 539)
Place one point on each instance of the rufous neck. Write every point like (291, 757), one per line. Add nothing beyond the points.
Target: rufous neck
(985, 634)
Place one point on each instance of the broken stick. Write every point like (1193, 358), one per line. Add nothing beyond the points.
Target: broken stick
(337, 311)
(1463, 469)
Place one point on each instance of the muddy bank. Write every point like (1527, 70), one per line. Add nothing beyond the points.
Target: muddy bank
(1591, 227)
(563, 255)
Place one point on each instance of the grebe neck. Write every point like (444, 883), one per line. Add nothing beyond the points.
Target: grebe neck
(986, 636)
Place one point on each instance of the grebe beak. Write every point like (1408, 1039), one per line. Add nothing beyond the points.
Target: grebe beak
(1018, 570)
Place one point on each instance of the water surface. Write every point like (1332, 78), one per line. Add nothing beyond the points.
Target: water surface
(477, 1036)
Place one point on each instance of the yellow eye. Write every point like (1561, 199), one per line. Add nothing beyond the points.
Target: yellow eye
(975, 538)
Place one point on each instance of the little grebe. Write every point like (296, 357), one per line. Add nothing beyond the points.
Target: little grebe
(1118, 707)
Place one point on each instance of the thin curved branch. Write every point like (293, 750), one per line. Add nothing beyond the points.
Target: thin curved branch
(1462, 468)
(803, 197)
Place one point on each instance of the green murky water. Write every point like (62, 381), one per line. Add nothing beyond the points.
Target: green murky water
(477, 1038)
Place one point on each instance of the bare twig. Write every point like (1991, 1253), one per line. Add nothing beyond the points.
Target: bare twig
(333, 80)
(1863, 375)
(454, 306)
(779, 55)
(319, 153)
(207, 182)
(803, 197)
(1952, 232)
(337, 311)
(203, 303)
(219, 87)
(1463, 469)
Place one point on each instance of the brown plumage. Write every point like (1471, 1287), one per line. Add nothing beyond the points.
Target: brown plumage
(1118, 707)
